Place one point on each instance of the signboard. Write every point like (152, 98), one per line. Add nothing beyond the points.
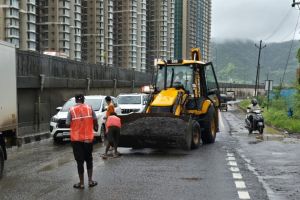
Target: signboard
(269, 85)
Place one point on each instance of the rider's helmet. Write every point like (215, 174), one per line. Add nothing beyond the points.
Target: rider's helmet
(254, 102)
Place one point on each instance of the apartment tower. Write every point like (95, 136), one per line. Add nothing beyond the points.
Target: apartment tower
(160, 30)
(60, 27)
(97, 31)
(192, 28)
(18, 23)
(130, 34)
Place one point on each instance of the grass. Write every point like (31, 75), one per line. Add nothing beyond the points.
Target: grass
(277, 116)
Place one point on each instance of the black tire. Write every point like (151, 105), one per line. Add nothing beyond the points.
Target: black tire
(210, 125)
(250, 130)
(187, 140)
(1, 162)
(196, 135)
(261, 130)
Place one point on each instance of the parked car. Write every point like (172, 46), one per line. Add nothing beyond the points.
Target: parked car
(132, 102)
(58, 128)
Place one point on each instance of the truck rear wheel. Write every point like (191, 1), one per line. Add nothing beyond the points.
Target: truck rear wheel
(210, 127)
(1, 162)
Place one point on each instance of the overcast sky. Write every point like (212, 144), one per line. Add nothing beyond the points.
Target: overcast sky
(254, 19)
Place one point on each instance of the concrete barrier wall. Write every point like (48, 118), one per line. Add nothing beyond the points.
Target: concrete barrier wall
(46, 82)
(241, 90)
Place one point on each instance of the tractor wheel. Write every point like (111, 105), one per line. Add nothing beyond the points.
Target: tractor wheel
(210, 127)
(196, 135)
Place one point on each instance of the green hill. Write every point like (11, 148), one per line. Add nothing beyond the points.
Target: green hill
(236, 61)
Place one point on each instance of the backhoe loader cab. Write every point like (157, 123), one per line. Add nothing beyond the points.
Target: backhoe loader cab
(181, 112)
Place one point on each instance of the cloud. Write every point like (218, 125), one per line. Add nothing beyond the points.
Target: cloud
(254, 19)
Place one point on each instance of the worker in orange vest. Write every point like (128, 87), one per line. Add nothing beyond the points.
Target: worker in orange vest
(82, 120)
(113, 126)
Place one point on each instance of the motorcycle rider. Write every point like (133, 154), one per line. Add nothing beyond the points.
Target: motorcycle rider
(250, 110)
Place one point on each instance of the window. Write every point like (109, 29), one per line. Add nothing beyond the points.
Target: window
(211, 83)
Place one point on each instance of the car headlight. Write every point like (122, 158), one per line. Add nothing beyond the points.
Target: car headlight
(54, 119)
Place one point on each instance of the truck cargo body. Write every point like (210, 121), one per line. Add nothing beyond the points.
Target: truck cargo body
(8, 88)
(8, 98)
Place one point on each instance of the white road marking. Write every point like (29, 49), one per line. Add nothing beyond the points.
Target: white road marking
(232, 163)
(237, 176)
(234, 169)
(243, 195)
(230, 154)
(221, 121)
(231, 158)
(240, 184)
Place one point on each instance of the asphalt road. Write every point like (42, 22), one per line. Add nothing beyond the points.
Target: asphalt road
(236, 166)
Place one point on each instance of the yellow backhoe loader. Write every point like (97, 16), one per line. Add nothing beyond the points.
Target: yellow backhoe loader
(182, 110)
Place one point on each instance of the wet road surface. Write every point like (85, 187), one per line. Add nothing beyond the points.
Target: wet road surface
(236, 166)
(275, 159)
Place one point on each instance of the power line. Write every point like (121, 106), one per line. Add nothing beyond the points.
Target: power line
(287, 62)
(278, 26)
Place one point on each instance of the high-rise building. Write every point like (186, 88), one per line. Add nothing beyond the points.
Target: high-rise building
(192, 28)
(130, 34)
(27, 14)
(18, 23)
(97, 31)
(60, 27)
(160, 30)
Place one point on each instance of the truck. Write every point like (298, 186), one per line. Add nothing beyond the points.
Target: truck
(230, 95)
(8, 100)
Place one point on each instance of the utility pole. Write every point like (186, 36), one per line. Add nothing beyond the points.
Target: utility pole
(260, 47)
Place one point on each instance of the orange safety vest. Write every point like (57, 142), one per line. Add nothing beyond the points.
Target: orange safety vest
(82, 123)
(113, 121)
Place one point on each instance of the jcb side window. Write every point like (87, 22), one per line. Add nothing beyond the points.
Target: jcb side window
(210, 79)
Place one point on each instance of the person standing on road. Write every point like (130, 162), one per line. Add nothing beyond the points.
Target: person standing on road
(113, 126)
(110, 109)
(82, 120)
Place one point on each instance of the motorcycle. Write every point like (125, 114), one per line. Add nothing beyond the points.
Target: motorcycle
(257, 122)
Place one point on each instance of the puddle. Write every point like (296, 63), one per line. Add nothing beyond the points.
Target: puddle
(267, 137)
(255, 142)
(54, 164)
(271, 130)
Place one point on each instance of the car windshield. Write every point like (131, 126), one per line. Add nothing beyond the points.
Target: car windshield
(129, 100)
(94, 103)
(177, 74)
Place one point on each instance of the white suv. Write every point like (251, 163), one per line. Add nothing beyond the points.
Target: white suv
(132, 102)
(60, 132)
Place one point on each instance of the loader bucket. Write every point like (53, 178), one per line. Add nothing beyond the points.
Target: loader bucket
(155, 130)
